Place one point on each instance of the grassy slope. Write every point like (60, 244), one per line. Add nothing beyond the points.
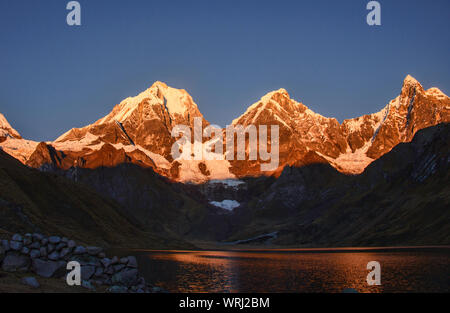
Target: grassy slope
(34, 201)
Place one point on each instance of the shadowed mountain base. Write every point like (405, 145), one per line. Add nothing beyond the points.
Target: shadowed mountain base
(34, 201)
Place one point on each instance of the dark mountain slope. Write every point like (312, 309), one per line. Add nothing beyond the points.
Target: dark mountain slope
(162, 206)
(403, 198)
(31, 200)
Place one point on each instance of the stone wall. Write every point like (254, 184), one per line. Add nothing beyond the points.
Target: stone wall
(48, 257)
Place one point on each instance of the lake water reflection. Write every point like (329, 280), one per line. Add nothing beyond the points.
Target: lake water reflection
(295, 271)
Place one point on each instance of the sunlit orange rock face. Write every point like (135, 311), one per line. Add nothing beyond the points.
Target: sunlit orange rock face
(6, 131)
(307, 137)
(145, 120)
(412, 111)
(138, 131)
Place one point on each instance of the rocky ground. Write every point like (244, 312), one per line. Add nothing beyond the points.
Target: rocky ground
(17, 282)
(36, 263)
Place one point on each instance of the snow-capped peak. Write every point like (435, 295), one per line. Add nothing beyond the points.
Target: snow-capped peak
(279, 100)
(6, 130)
(436, 92)
(141, 126)
(12, 143)
(269, 96)
(178, 101)
(412, 82)
(174, 101)
(409, 82)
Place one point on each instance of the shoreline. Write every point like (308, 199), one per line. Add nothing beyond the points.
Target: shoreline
(429, 248)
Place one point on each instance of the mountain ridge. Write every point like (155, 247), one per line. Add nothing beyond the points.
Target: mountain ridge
(138, 130)
(402, 198)
(40, 201)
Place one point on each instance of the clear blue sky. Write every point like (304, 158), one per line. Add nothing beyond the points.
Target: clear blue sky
(226, 54)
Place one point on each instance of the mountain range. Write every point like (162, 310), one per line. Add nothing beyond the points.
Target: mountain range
(377, 179)
(138, 131)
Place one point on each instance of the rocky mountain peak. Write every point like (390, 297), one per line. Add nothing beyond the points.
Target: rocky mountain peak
(276, 105)
(157, 102)
(412, 110)
(177, 101)
(138, 130)
(410, 81)
(276, 95)
(6, 131)
(410, 88)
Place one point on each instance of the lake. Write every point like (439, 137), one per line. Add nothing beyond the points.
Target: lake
(296, 271)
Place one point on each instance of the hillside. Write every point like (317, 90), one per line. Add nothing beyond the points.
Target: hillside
(403, 198)
(34, 201)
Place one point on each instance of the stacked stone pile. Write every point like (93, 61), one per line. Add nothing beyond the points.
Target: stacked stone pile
(48, 257)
